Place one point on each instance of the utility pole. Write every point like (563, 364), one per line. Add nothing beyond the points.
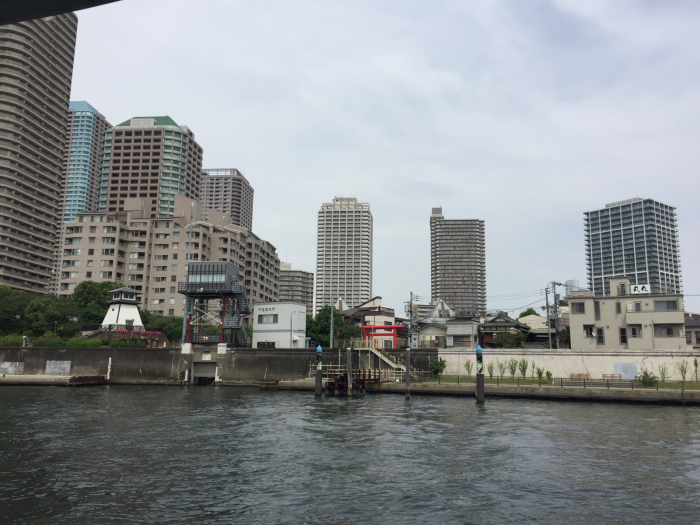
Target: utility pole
(549, 331)
(331, 323)
(556, 310)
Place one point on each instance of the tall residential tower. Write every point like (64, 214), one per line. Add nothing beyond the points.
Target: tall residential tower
(344, 253)
(228, 191)
(85, 128)
(458, 263)
(636, 238)
(149, 157)
(36, 69)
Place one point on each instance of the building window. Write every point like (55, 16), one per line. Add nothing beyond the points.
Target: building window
(578, 308)
(664, 306)
(88, 275)
(588, 330)
(637, 307)
(635, 331)
(596, 308)
(623, 336)
(618, 308)
(267, 319)
(266, 344)
(600, 336)
(666, 331)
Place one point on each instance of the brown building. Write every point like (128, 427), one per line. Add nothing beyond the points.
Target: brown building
(150, 254)
(36, 69)
(228, 191)
(149, 157)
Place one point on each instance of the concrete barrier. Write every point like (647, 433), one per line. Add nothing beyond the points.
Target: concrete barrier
(129, 365)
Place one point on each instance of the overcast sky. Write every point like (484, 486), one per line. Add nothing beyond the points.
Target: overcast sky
(523, 114)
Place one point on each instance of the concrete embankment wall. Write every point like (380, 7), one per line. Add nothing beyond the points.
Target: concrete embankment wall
(129, 365)
(645, 395)
(564, 362)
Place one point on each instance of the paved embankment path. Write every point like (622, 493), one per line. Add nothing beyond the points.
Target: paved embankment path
(637, 395)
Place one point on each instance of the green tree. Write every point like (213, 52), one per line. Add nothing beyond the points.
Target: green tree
(42, 314)
(437, 366)
(523, 366)
(91, 300)
(490, 368)
(509, 340)
(13, 303)
(468, 365)
(318, 328)
(512, 366)
(171, 326)
(529, 311)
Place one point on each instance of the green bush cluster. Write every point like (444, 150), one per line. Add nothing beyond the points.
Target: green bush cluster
(12, 340)
(48, 341)
(84, 343)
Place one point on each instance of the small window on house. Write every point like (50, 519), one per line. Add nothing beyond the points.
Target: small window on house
(618, 308)
(600, 336)
(267, 319)
(596, 308)
(588, 330)
(623, 289)
(635, 331)
(578, 308)
(637, 307)
(623, 336)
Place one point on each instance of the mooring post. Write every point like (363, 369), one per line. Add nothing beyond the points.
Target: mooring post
(349, 370)
(408, 373)
(479, 375)
(319, 371)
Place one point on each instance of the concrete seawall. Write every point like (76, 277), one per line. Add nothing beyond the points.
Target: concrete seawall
(620, 395)
(129, 365)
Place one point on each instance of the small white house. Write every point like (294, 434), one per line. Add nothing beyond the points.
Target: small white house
(123, 310)
(279, 324)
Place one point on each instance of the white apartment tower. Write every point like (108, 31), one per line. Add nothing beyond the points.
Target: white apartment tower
(344, 253)
(635, 238)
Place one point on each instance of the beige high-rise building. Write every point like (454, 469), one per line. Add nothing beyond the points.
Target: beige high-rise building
(228, 191)
(297, 285)
(149, 157)
(344, 253)
(151, 254)
(85, 127)
(36, 69)
(458, 263)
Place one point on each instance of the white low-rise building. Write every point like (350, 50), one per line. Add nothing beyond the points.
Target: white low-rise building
(279, 324)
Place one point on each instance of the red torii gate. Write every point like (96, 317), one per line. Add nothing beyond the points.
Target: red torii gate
(394, 328)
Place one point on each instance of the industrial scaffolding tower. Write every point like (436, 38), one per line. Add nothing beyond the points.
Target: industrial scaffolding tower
(214, 296)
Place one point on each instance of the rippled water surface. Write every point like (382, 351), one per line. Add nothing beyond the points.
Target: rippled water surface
(225, 454)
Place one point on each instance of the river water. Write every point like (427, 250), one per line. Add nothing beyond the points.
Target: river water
(225, 454)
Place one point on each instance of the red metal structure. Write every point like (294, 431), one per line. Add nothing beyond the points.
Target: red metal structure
(394, 328)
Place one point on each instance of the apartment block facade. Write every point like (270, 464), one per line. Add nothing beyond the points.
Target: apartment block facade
(228, 191)
(297, 285)
(637, 238)
(344, 253)
(458, 263)
(36, 69)
(151, 254)
(149, 157)
(626, 320)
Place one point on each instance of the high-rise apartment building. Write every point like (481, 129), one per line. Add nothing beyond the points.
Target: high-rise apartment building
(36, 69)
(344, 253)
(228, 191)
(149, 157)
(458, 263)
(297, 285)
(636, 238)
(85, 129)
(151, 254)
